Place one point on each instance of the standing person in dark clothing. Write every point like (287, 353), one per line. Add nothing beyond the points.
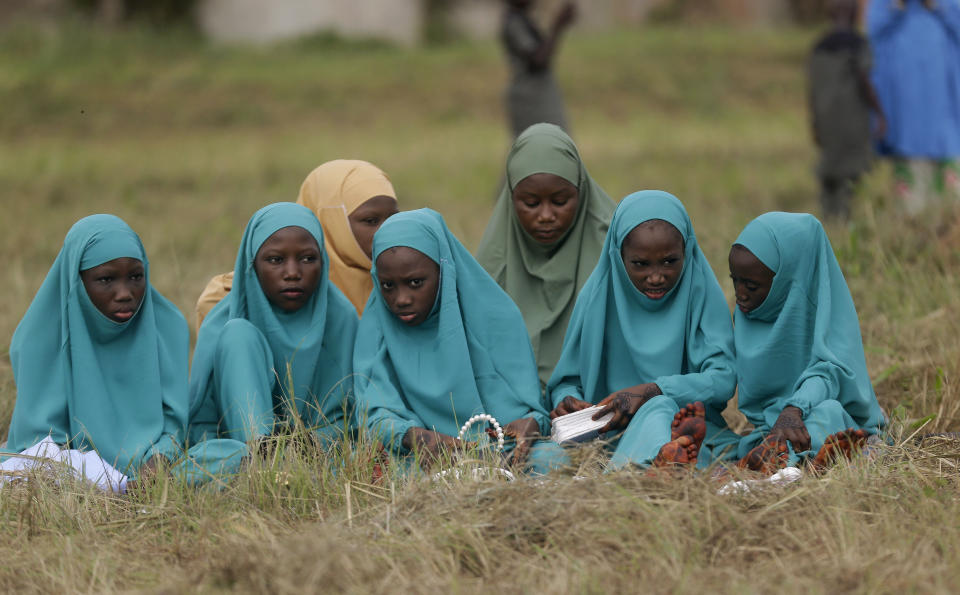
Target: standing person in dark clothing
(841, 101)
(533, 95)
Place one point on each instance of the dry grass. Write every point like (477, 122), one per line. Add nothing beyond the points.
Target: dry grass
(185, 141)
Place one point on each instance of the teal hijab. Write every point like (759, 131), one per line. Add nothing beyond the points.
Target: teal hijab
(619, 337)
(312, 347)
(471, 355)
(117, 387)
(802, 345)
(544, 279)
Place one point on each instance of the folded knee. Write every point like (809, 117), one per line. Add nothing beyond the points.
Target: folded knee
(662, 402)
(238, 332)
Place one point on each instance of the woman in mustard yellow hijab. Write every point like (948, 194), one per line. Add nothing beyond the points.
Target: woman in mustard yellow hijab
(351, 198)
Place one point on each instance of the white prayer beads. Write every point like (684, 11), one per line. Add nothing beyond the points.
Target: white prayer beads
(487, 418)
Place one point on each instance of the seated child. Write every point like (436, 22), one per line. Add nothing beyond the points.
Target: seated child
(650, 340)
(279, 347)
(545, 235)
(100, 360)
(440, 342)
(800, 363)
(351, 198)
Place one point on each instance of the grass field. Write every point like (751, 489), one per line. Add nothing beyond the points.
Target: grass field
(185, 140)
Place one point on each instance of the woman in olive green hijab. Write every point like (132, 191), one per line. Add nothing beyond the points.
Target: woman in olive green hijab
(545, 235)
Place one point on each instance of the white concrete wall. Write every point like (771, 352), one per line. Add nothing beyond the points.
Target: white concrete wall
(263, 21)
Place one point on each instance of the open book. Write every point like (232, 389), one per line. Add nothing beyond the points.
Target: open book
(578, 426)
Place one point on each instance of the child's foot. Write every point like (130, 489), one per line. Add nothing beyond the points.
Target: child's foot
(687, 432)
(767, 458)
(690, 421)
(681, 451)
(839, 445)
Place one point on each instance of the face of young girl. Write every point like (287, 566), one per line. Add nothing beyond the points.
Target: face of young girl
(116, 287)
(751, 278)
(653, 256)
(288, 265)
(546, 206)
(366, 219)
(409, 281)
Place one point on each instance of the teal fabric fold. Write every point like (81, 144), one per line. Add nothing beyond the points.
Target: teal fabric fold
(311, 348)
(90, 382)
(802, 346)
(619, 337)
(471, 355)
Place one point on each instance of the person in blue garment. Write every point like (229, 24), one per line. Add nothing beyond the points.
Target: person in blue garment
(802, 374)
(440, 342)
(916, 74)
(277, 350)
(650, 341)
(100, 361)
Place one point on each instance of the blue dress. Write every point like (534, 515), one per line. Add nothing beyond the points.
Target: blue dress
(917, 76)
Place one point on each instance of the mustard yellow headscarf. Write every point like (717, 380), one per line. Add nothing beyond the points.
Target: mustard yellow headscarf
(332, 191)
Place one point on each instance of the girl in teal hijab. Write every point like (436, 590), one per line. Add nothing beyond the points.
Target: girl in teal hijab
(650, 335)
(545, 235)
(280, 345)
(800, 363)
(439, 342)
(107, 370)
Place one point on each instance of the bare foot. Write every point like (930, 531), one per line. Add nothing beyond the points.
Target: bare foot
(689, 421)
(839, 445)
(687, 432)
(768, 457)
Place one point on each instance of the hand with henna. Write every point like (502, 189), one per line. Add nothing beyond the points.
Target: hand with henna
(624, 404)
(569, 405)
(789, 426)
(430, 444)
(525, 431)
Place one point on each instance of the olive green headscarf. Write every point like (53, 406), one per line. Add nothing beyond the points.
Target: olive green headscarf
(544, 279)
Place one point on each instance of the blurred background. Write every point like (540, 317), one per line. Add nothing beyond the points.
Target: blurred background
(185, 116)
(402, 21)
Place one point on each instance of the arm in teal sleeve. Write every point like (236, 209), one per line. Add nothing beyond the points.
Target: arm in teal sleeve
(176, 397)
(811, 392)
(331, 416)
(711, 372)
(565, 389)
(380, 407)
(714, 385)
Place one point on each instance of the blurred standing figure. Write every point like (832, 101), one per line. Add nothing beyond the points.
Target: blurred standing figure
(533, 95)
(917, 77)
(841, 101)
